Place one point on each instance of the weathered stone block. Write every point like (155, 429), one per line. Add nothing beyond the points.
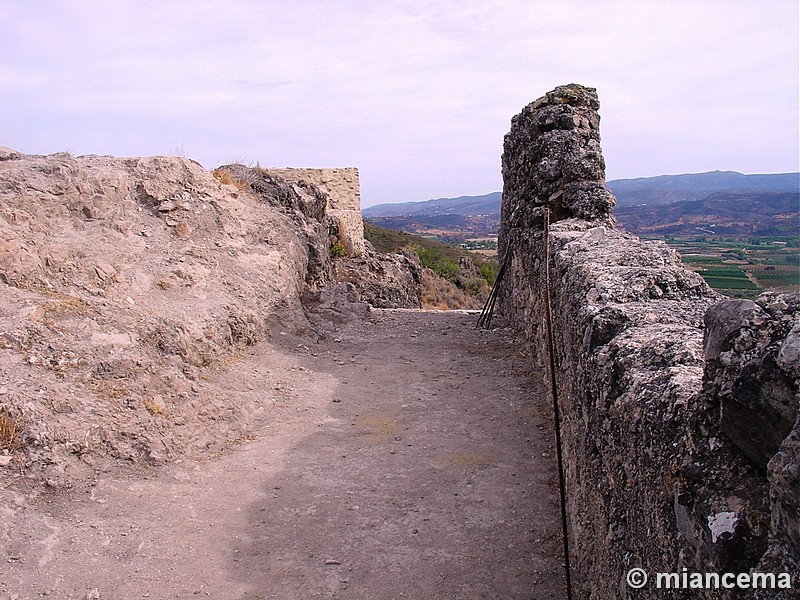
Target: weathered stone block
(343, 193)
(757, 391)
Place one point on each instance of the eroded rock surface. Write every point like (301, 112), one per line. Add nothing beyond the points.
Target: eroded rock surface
(126, 283)
(658, 477)
(753, 376)
(552, 158)
(383, 280)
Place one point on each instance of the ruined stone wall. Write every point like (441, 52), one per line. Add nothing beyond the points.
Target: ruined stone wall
(344, 199)
(654, 479)
(125, 285)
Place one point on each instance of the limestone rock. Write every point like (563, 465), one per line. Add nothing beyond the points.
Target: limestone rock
(783, 554)
(342, 192)
(752, 375)
(123, 281)
(383, 280)
(751, 371)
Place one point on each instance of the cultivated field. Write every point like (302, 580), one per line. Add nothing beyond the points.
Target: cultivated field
(740, 266)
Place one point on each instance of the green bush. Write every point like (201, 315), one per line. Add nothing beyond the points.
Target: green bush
(436, 261)
(442, 259)
(488, 271)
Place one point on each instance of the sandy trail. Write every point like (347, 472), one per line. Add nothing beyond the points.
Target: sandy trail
(410, 457)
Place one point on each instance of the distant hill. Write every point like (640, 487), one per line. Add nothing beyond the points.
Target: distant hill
(750, 213)
(488, 204)
(710, 181)
(663, 189)
(667, 189)
(721, 201)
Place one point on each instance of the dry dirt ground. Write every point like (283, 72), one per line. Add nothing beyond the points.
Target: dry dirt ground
(410, 456)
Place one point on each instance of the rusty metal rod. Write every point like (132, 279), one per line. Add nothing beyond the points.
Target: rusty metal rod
(485, 320)
(554, 393)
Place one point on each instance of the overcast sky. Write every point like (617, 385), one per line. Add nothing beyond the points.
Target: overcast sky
(417, 94)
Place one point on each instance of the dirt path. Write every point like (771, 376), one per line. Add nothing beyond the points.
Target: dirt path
(411, 457)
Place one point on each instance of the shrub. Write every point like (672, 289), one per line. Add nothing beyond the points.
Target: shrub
(10, 433)
(436, 261)
(488, 271)
(441, 294)
(225, 177)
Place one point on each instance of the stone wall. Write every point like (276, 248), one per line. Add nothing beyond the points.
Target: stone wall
(342, 188)
(332, 197)
(654, 478)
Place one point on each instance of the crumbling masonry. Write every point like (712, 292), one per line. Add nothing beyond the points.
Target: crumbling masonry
(343, 192)
(679, 407)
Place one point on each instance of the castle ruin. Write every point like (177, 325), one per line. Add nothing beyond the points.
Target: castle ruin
(679, 408)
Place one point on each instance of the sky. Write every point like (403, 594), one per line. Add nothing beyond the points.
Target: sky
(417, 94)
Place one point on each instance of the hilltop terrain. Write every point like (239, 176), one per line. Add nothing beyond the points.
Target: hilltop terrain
(129, 283)
(197, 400)
(676, 204)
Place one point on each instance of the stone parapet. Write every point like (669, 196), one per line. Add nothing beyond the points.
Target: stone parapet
(655, 477)
(341, 185)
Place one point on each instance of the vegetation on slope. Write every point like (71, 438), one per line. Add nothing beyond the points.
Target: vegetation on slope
(469, 275)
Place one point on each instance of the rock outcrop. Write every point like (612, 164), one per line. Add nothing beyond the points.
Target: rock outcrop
(658, 476)
(752, 378)
(332, 197)
(125, 284)
(383, 280)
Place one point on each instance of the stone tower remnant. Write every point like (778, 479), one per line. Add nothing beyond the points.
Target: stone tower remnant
(342, 188)
(663, 420)
(552, 158)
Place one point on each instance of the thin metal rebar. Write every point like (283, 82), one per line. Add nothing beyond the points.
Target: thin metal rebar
(485, 320)
(554, 394)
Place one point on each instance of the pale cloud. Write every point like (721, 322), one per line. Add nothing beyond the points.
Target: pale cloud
(417, 94)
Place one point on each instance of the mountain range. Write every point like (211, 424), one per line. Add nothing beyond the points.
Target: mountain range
(667, 189)
(663, 189)
(729, 213)
(488, 204)
(716, 201)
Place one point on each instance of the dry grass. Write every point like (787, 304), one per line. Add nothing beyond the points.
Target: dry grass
(10, 433)
(63, 305)
(439, 293)
(155, 408)
(225, 177)
(109, 390)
